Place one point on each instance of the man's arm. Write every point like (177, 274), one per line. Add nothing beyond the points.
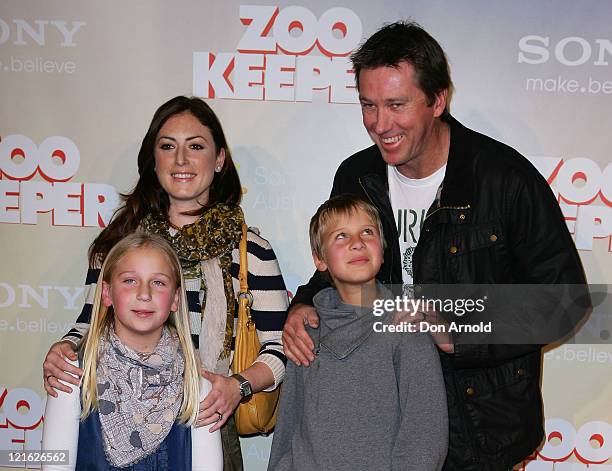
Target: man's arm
(319, 280)
(545, 261)
(297, 343)
(305, 293)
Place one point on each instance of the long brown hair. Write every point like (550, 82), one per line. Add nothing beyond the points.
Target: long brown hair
(148, 197)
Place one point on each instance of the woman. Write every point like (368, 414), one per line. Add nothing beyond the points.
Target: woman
(189, 193)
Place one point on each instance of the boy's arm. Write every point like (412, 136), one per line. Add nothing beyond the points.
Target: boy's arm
(422, 439)
(288, 412)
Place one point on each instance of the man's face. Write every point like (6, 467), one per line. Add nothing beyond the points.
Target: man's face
(397, 117)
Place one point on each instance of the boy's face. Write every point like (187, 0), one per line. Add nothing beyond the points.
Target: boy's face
(352, 249)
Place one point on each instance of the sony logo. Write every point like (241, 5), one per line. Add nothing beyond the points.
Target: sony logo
(570, 51)
(23, 32)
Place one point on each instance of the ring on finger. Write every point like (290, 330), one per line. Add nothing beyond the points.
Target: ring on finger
(220, 416)
(47, 377)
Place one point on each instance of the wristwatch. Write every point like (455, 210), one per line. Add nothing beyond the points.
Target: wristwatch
(245, 387)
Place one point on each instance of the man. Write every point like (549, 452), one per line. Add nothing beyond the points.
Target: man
(456, 207)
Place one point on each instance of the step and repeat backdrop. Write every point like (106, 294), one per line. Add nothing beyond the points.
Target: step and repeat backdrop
(80, 82)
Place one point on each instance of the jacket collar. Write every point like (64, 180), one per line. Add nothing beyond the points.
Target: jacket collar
(458, 184)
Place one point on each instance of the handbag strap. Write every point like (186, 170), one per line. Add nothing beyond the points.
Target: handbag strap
(243, 274)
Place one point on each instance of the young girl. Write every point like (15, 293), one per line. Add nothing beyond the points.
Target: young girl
(139, 388)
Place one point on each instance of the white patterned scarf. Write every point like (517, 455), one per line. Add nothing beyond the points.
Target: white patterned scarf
(139, 396)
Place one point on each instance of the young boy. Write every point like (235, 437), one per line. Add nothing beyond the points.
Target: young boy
(370, 400)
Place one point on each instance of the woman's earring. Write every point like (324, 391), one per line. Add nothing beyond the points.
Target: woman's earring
(217, 169)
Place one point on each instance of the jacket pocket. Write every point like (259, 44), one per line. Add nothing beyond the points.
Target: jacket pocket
(504, 404)
(476, 253)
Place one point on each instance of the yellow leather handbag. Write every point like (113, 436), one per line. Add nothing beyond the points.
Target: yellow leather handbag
(258, 413)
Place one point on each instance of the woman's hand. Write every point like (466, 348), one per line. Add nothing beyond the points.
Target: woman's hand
(225, 396)
(55, 367)
(220, 403)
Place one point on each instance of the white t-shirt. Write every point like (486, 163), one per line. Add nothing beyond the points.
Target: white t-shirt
(411, 199)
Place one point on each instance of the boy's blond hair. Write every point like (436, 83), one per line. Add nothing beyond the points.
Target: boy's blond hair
(102, 320)
(335, 207)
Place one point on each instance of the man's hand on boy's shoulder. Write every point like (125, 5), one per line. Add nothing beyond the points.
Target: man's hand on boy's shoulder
(297, 344)
(441, 337)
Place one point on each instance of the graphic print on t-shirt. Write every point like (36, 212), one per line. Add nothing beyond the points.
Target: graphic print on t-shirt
(407, 262)
(409, 223)
(411, 199)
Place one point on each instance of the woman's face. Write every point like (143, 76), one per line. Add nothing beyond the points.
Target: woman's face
(185, 161)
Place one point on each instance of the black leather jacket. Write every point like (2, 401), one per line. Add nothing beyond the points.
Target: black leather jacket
(495, 221)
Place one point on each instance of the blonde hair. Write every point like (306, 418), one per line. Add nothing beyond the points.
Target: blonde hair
(332, 209)
(102, 322)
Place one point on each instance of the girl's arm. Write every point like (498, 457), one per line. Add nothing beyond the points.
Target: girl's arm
(61, 427)
(206, 452)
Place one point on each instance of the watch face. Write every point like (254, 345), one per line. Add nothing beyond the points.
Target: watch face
(245, 386)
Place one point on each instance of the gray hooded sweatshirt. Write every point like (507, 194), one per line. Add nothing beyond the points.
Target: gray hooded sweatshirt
(369, 401)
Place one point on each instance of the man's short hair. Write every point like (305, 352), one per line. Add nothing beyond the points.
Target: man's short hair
(406, 41)
(332, 209)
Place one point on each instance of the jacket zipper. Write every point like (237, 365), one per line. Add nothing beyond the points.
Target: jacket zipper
(446, 207)
(458, 394)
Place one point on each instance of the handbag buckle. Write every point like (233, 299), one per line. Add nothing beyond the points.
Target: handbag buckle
(246, 295)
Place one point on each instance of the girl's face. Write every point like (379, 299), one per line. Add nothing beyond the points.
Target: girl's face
(142, 292)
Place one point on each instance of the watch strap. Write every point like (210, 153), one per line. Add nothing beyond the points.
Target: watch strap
(245, 386)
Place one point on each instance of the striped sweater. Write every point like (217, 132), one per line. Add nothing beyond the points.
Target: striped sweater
(269, 308)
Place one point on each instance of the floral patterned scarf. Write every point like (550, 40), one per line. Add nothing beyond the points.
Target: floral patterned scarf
(213, 236)
(139, 396)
